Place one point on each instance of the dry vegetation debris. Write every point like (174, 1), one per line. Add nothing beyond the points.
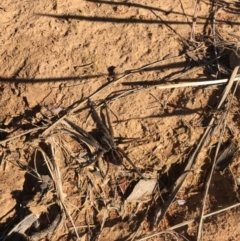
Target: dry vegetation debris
(146, 151)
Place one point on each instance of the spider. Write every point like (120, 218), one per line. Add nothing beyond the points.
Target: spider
(104, 143)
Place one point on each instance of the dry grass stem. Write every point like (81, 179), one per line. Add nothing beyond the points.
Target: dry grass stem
(224, 96)
(193, 158)
(56, 177)
(192, 37)
(189, 221)
(129, 130)
(217, 10)
(22, 226)
(22, 134)
(196, 83)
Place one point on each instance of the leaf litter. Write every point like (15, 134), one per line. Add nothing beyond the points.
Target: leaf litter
(87, 185)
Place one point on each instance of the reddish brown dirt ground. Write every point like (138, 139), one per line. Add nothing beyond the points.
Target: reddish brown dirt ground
(55, 54)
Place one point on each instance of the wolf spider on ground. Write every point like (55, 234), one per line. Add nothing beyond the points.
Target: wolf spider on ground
(104, 142)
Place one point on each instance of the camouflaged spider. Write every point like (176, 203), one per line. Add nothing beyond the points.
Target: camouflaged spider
(104, 143)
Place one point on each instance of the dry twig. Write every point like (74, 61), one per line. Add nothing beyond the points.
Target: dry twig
(226, 92)
(188, 222)
(22, 134)
(162, 210)
(192, 37)
(214, 38)
(56, 177)
(22, 226)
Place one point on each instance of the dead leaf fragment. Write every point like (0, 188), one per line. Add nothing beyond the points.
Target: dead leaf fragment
(143, 187)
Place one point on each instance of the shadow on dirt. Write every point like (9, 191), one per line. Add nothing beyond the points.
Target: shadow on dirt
(50, 79)
(34, 188)
(123, 20)
(16, 237)
(228, 7)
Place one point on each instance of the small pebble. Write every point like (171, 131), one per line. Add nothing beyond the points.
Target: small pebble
(238, 181)
(181, 202)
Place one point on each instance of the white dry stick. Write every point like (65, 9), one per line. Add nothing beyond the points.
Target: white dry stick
(226, 92)
(195, 83)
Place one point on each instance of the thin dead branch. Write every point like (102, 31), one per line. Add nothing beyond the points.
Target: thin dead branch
(196, 83)
(22, 226)
(22, 134)
(48, 231)
(217, 10)
(189, 221)
(193, 158)
(224, 96)
(104, 87)
(192, 37)
(56, 177)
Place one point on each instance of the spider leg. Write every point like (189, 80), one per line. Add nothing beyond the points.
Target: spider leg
(117, 157)
(107, 137)
(99, 155)
(114, 157)
(82, 134)
(128, 159)
(107, 161)
(98, 120)
(108, 120)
